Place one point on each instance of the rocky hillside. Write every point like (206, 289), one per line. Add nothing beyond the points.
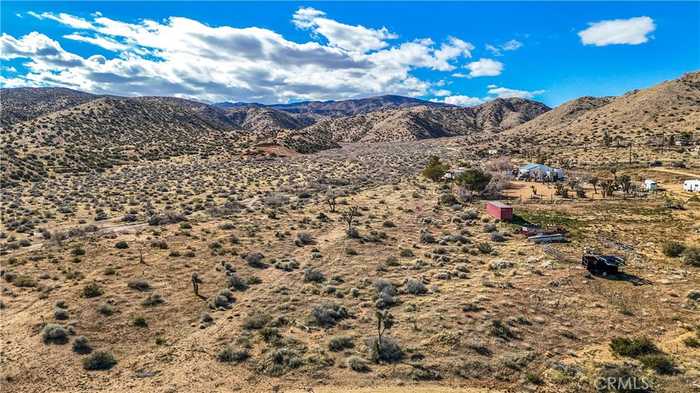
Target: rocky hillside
(343, 107)
(28, 102)
(641, 116)
(264, 121)
(424, 122)
(108, 131)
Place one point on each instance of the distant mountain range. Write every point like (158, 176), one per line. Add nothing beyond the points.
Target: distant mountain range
(341, 108)
(52, 130)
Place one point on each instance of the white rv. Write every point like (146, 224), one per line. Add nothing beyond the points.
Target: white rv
(692, 185)
(649, 185)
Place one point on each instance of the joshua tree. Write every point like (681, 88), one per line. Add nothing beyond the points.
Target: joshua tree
(594, 183)
(349, 216)
(195, 285)
(384, 322)
(330, 199)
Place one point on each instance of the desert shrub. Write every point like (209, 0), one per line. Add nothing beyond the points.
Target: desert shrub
(231, 355)
(166, 218)
(339, 343)
(81, 345)
(313, 275)
(406, 253)
(92, 290)
(160, 244)
(106, 309)
(256, 321)
(100, 360)
(473, 369)
(270, 334)
(659, 362)
(223, 299)
(328, 314)
(357, 364)
(427, 237)
(23, 281)
(153, 299)
(61, 314)
(501, 330)
(484, 248)
(236, 283)
(386, 292)
(140, 321)
(435, 169)
(673, 249)
(280, 360)
(423, 373)
(54, 334)
(304, 238)
(139, 285)
(691, 256)
(227, 226)
(633, 347)
(415, 287)
(692, 342)
(255, 260)
(121, 245)
(388, 350)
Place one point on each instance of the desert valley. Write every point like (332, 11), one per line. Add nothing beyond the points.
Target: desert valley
(163, 244)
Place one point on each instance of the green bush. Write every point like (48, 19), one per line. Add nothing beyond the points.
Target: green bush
(81, 345)
(54, 334)
(673, 249)
(659, 362)
(337, 344)
(435, 169)
(92, 290)
(633, 347)
(100, 360)
(230, 355)
(691, 256)
(357, 364)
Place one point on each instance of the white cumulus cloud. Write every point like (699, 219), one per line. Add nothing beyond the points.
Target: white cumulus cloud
(463, 100)
(186, 58)
(484, 67)
(633, 31)
(504, 92)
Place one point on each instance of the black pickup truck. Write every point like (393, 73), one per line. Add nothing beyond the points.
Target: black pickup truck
(597, 264)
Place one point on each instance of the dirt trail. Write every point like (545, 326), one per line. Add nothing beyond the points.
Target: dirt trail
(676, 172)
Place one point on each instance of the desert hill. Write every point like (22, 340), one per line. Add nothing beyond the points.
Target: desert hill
(343, 107)
(424, 122)
(26, 103)
(640, 116)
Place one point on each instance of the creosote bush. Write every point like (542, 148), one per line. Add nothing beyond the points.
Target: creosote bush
(231, 355)
(328, 314)
(54, 334)
(673, 249)
(100, 360)
(81, 345)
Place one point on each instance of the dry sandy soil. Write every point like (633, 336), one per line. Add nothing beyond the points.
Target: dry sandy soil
(477, 307)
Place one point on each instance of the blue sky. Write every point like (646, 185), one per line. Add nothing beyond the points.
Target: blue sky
(462, 53)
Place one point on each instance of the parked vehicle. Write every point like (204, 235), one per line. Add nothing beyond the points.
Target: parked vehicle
(602, 264)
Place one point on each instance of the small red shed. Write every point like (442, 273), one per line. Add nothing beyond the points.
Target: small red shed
(499, 210)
